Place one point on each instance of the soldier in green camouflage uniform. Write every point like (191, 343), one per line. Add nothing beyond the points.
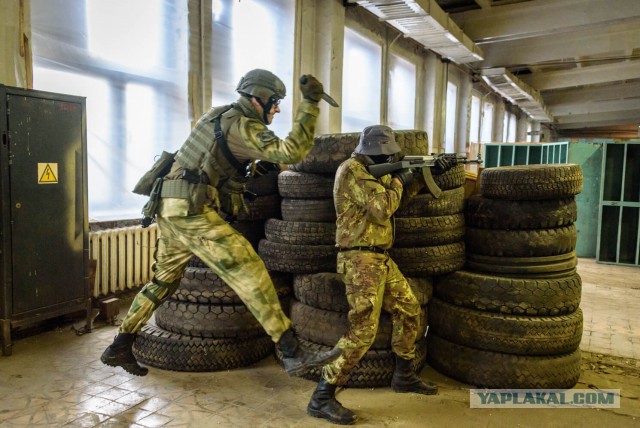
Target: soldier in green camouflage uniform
(208, 179)
(365, 207)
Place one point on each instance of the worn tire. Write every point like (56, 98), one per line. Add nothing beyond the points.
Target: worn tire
(521, 243)
(216, 321)
(262, 208)
(327, 327)
(300, 232)
(266, 184)
(203, 285)
(425, 205)
(451, 179)
(558, 266)
(327, 291)
(488, 213)
(429, 231)
(487, 369)
(531, 182)
(330, 150)
(305, 185)
(298, 258)
(171, 351)
(428, 261)
(321, 210)
(513, 334)
(517, 296)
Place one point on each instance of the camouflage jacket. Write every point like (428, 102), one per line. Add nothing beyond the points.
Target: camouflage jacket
(364, 205)
(248, 138)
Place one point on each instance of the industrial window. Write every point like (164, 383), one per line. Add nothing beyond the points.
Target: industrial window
(361, 91)
(252, 34)
(509, 127)
(474, 120)
(129, 59)
(402, 93)
(451, 119)
(487, 123)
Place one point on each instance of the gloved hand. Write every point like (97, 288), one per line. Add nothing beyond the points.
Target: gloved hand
(404, 175)
(311, 88)
(442, 165)
(261, 167)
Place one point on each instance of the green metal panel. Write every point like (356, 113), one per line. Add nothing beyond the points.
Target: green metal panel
(589, 157)
(508, 154)
(619, 207)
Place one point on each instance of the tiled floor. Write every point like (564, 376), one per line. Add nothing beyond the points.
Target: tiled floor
(611, 309)
(55, 379)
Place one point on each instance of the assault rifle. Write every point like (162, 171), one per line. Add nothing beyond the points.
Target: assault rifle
(424, 163)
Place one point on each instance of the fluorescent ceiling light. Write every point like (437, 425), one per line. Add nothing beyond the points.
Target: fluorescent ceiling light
(517, 92)
(425, 22)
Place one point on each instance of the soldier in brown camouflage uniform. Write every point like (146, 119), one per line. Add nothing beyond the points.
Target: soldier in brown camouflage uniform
(208, 179)
(365, 207)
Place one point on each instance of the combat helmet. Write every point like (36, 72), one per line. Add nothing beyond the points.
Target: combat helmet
(261, 83)
(377, 140)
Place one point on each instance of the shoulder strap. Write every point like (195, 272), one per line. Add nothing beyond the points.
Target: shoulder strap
(222, 142)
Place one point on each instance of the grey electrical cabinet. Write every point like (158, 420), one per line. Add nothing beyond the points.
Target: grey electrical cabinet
(44, 234)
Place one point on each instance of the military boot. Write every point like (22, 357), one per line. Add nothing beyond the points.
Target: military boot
(405, 380)
(324, 405)
(296, 360)
(119, 354)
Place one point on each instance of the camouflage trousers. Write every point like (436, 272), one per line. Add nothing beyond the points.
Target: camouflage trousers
(221, 248)
(373, 282)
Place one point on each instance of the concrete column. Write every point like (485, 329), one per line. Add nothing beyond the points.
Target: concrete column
(200, 81)
(463, 111)
(498, 122)
(521, 127)
(319, 50)
(535, 129)
(435, 87)
(16, 67)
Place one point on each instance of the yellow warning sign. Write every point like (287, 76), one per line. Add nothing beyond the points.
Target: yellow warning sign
(47, 173)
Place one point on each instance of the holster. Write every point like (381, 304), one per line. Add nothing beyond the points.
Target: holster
(150, 209)
(232, 194)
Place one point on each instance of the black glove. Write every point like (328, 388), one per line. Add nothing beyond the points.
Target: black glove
(311, 88)
(404, 175)
(261, 167)
(442, 165)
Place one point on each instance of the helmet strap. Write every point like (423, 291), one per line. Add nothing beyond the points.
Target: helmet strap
(266, 108)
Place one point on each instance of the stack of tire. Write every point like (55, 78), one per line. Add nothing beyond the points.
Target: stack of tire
(511, 319)
(303, 243)
(204, 326)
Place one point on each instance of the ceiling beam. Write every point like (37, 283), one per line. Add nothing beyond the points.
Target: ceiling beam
(597, 119)
(595, 107)
(484, 4)
(568, 97)
(620, 38)
(541, 17)
(592, 75)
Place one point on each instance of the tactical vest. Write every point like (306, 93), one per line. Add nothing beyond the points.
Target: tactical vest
(202, 152)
